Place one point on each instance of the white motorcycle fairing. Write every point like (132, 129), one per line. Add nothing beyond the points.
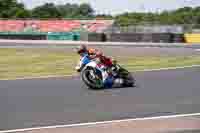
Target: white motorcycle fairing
(93, 64)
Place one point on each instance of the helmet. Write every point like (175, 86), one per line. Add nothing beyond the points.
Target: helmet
(81, 49)
(92, 51)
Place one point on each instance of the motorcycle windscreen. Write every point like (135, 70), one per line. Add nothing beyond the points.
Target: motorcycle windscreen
(85, 60)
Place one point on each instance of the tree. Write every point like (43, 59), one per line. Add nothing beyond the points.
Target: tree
(12, 9)
(186, 15)
(86, 10)
(68, 10)
(76, 11)
(45, 11)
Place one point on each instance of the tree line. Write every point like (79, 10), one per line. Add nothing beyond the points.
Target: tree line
(185, 15)
(12, 9)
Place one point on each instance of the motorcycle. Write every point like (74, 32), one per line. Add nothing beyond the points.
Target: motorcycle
(95, 75)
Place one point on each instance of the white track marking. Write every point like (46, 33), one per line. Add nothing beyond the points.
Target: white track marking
(41, 77)
(197, 50)
(168, 68)
(103, 122)
(60, 76)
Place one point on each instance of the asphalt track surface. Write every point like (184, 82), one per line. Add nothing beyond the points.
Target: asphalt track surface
(57, 101)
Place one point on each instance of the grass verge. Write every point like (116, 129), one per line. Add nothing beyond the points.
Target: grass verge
(20, 63)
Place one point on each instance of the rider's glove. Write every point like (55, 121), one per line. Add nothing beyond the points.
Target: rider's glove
(77, 68)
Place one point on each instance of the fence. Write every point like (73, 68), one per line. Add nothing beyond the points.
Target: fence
(137, 37)
(100, 30)
(178, 29)
(53, 25)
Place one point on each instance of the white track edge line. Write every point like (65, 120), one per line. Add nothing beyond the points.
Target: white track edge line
(167, 68)
(197, 50)
(102, 122)
(60, 76)
(40, 77)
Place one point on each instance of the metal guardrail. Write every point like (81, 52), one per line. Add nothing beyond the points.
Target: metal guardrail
(155, 28)
(41, 35)
(104, 44)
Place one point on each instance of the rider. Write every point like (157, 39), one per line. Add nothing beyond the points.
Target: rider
(97, 54)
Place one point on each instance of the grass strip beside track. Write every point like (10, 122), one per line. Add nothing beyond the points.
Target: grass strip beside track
(20, 63)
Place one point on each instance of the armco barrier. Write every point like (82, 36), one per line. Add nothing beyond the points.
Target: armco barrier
(124, 37)
(192, 38)
(97, 37)
(178, 38)
(22, 36)
(139, 37)
(47, 43)
(162, 37)
(39, 36)
(146, 38)
(60, 36)
(100, 37)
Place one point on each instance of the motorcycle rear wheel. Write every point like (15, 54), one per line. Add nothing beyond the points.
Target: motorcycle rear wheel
(129, 80)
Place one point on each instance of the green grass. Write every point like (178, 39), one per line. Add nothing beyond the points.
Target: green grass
(20, 63)
(141, 63)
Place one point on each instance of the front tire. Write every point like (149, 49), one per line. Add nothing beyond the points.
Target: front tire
(93, 83)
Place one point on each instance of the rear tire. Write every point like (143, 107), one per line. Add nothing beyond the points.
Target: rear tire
(129, 80)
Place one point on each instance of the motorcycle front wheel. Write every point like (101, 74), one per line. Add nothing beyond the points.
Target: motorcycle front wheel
(91, 79)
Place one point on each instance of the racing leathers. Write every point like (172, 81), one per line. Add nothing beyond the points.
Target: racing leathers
(101, 60)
